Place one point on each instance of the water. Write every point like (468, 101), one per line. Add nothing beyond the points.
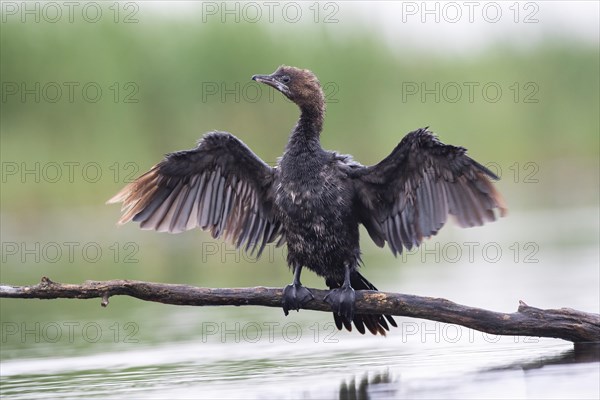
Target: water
(135, 349)
(352, 368)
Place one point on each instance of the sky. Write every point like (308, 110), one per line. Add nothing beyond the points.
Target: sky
(455, 27)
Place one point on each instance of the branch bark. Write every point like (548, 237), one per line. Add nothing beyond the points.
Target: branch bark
(565, 323)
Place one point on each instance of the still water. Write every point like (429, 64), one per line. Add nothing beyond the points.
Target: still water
(135, 349)
(354, 369)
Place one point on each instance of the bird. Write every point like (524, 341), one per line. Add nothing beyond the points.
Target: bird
(313, 200)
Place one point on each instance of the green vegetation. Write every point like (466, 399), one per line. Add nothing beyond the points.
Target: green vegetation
(178, 75)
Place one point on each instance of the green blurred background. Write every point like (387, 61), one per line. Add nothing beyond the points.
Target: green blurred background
(164, 80)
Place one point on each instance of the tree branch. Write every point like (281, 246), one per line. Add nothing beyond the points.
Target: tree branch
(565, 323)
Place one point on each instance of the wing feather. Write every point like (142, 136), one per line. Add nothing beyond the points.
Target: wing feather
(408, 196)
(219, 186)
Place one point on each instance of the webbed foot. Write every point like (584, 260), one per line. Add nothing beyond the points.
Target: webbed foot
(342, 301)
(295, 296)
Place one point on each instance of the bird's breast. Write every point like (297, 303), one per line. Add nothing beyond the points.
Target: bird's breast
(315, 206)
(313, 200)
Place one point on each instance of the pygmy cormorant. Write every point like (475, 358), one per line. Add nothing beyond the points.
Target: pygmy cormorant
(313, 199)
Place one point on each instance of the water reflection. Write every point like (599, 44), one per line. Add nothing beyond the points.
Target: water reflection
(360, 388)
(580, 353)
(390, 369)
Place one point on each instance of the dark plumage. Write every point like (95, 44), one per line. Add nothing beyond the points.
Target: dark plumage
(314, 200)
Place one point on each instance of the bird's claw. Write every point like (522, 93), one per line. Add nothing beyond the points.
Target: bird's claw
(294, 297)
(342, 301)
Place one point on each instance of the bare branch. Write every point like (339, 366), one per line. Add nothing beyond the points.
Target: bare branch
(565, 323)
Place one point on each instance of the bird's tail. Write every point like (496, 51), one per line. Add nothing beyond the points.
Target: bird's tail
(376, 324)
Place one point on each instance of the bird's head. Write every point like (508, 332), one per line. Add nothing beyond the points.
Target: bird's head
(299, 85)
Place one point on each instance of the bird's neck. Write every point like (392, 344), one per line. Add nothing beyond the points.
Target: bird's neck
(307, 132)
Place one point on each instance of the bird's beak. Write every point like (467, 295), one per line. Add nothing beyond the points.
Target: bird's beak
(271, 81)
(262, 78)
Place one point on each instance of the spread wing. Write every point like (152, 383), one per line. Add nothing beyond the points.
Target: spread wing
(408, 196)
(220, 186)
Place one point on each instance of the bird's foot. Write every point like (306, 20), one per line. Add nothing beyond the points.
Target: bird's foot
(294, 297)
(342, 301)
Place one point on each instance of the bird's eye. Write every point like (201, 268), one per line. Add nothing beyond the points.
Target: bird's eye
(285, 79)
